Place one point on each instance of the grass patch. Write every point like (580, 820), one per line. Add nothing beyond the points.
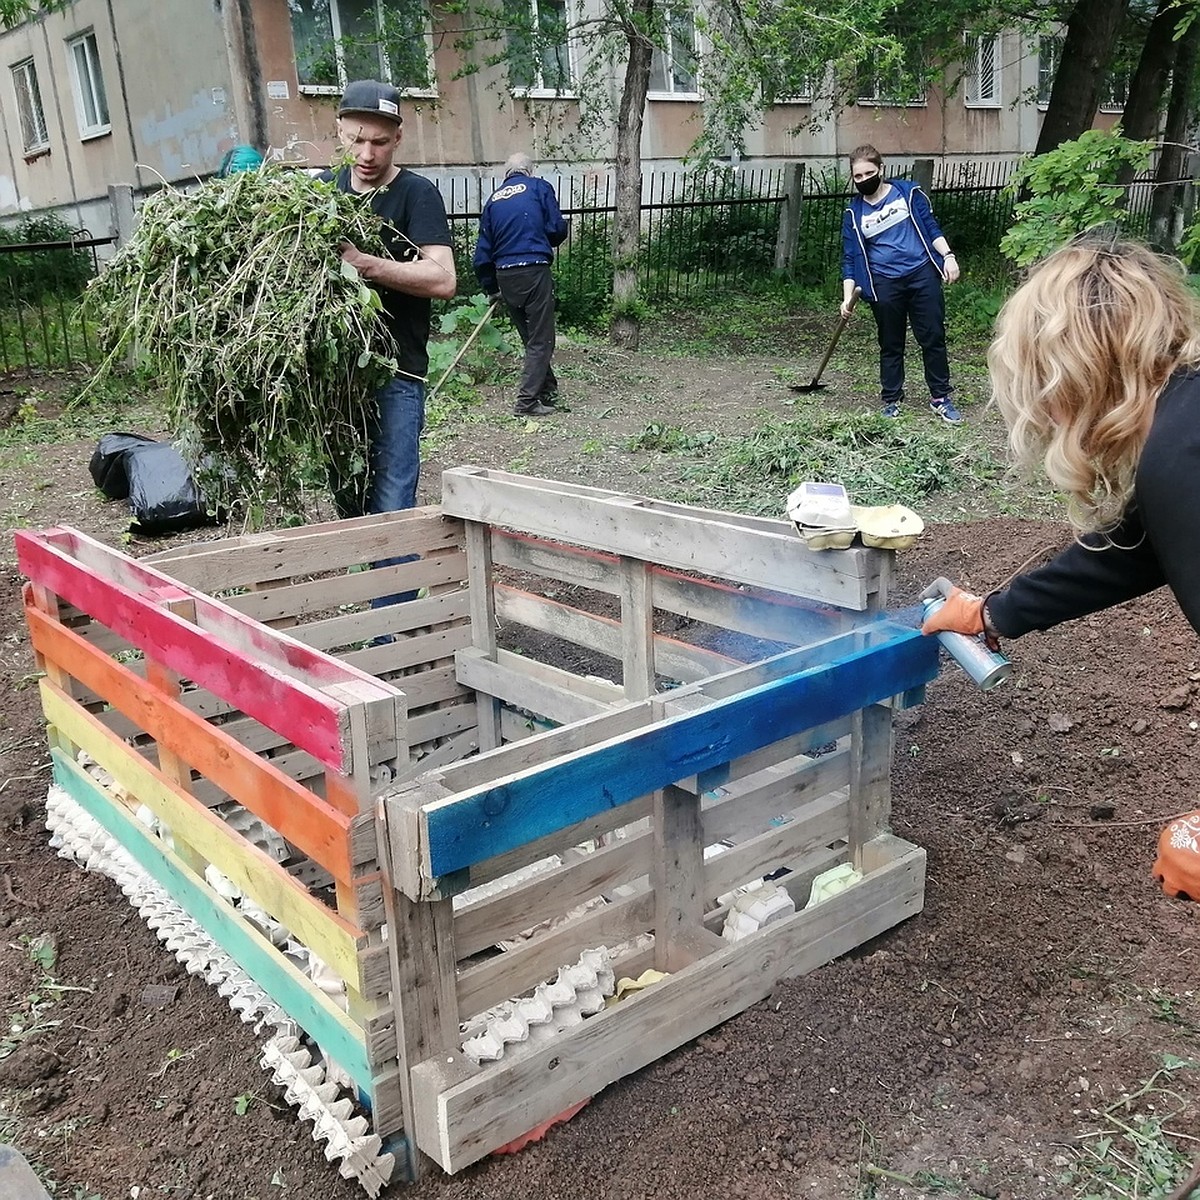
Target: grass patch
(1132, 1152)
(877, 461)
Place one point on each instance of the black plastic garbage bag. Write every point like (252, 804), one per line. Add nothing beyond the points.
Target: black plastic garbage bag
(154, 478)
(108, 462)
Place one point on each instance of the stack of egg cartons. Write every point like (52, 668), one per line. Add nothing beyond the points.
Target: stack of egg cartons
(822, 515)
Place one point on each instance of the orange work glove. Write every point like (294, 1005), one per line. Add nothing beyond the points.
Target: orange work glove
(962, 612)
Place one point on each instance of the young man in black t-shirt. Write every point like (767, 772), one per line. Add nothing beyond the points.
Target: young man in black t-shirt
(417, 235)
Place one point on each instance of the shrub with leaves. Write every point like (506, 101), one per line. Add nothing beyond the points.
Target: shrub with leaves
(269, 348)
(1071, 188)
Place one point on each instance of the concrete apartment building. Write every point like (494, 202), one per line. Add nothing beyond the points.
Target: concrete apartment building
(145, 91)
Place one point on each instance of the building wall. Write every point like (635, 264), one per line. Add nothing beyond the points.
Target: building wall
(188, 79)
(171, 114)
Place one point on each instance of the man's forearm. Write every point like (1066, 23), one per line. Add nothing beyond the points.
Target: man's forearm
(426, 277)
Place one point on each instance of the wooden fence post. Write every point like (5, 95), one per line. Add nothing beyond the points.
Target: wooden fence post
(789, 218)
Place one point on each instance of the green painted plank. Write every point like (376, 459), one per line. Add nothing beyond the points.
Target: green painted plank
(284, 983)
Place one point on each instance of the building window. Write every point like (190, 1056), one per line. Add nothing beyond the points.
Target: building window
(983, 71)
(87, 80)
(1049, 52)
(34, 137)
(900, 83)
(539, 49)
(336, 41)
(675, 70)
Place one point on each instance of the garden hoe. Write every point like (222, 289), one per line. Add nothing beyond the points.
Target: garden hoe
(817, 385)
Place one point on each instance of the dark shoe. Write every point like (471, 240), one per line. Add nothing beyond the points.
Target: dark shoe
(891, 410)
(534, 410)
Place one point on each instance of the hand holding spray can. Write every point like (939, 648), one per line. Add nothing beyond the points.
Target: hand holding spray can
(986, 667)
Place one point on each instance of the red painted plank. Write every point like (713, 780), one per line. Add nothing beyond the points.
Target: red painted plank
(300, 713)
(306, 820)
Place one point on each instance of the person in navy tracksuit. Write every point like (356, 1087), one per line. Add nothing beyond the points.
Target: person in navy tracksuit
(520, 225)
(894, 251)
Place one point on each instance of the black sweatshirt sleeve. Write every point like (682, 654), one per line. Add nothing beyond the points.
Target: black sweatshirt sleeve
(1158, 541)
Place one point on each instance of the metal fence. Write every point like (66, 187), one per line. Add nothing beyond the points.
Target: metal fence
(42, 324)
(699, 234)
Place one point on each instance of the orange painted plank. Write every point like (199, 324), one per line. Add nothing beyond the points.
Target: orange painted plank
(306, 820)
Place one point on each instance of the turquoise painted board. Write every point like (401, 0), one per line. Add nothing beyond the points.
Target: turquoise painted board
(299, 998)
(466, 829)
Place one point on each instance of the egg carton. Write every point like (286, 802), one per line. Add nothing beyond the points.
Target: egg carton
(579, 990)
(76, 836)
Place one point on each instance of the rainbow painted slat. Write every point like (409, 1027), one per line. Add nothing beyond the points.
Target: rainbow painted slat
(337, 1034)
(268, 675)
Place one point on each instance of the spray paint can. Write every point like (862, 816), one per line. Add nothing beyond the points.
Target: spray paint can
(986, 667)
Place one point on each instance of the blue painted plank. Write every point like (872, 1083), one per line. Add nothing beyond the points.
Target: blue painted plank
(467, 829)
(305, 1003)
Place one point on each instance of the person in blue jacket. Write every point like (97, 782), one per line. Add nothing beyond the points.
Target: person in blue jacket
(520, 225)
(894, 251)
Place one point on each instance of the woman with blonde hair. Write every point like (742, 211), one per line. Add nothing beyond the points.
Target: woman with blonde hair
(1096, 369)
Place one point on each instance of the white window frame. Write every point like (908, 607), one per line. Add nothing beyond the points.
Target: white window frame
(667, 59)
(982, 48)
(35, 139)
(385, 67)
(90, 89)
(1049, 50)
(539, 90)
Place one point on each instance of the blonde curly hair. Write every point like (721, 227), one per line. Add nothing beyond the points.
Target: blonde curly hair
(1082, 350)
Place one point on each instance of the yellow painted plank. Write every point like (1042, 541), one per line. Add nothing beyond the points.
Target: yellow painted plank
(332, 938)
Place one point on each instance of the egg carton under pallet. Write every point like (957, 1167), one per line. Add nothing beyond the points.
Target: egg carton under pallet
(78, 837)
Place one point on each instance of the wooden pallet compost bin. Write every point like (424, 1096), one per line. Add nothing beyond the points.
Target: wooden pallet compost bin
(602, 716)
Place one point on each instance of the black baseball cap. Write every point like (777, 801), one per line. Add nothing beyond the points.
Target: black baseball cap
(371, 98)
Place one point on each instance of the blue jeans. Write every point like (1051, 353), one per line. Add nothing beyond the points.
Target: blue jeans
(916, 298)
(394, 427)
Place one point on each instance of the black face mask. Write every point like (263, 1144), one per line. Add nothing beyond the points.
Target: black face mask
(870, 184)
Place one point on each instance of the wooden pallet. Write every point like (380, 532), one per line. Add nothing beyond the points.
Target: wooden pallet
(435, 767)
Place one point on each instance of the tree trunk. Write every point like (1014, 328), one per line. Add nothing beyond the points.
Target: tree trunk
(625, 330)
(1091, 35)
(1166, 204)
(1149, 82)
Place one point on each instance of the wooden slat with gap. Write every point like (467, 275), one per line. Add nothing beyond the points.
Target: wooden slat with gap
(222, 652)
(675, 659)
(308, 549)
(250, 869)
(548, 691)
(336, 840)
(549, 894)
(740, 549)
(315, 1012)
(464, 1111)
(471, 826)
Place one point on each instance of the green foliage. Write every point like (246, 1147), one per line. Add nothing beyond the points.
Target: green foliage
(669, 439)
(711, 232)
(456, 325)
(30, 275)
(972, 309)
(268, 346)
(877, 461)
(583, 275)
(1071, 188)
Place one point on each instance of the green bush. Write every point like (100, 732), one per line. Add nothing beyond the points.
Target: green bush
(30, 275)
(583, 275)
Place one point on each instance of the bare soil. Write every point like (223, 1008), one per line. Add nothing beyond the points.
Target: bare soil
(968, 1052)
